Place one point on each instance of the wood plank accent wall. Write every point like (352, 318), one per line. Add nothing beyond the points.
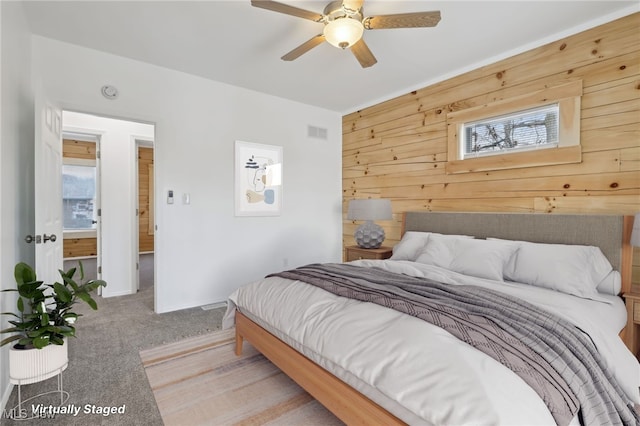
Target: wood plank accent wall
(145, 158)
(397, 149)
(79, 247)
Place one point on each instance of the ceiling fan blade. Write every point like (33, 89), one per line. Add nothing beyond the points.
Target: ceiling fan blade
(352, 5)
(303, 48)
(402, 20)
(363, 54)
(286, 9)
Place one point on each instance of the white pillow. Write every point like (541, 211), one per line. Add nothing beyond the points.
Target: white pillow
(463, 254)
(482, 258)
(439, 250)
(410, 245)
(611, 284)
(571, 269)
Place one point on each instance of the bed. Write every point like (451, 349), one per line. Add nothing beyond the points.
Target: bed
(370, 364)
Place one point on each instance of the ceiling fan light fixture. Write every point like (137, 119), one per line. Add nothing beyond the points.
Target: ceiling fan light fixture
(343, 32)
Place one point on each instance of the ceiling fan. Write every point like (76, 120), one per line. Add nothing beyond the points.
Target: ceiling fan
(344, 24)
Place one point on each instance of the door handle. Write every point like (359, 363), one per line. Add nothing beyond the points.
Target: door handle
(29, 239)
(51, 238)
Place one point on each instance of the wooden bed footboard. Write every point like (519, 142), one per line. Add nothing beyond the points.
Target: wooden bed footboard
(345, 402)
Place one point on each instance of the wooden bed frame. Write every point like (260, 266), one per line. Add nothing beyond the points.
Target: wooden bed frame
(351, 406)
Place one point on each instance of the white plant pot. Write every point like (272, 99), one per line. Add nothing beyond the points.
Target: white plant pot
(35, 365)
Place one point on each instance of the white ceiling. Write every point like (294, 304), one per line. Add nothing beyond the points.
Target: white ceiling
(235, 43)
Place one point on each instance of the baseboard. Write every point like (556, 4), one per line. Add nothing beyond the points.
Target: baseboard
(120, 293)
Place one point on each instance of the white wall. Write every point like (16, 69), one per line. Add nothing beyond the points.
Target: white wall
(118, 153)
(203, 251)
(16, 161)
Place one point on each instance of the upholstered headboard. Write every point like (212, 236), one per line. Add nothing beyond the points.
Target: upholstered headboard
(609, 232)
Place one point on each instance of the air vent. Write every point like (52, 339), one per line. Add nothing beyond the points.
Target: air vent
(317, 132)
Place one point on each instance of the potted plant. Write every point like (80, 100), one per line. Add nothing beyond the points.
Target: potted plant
(43, 321)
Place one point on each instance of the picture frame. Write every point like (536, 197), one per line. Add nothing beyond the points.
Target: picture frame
(258, 179)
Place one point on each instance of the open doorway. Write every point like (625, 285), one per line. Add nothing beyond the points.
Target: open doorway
(146, 221)
(80, 201)
(115, 210)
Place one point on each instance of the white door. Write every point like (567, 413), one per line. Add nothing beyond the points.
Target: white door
(97, 214)
(48, 189)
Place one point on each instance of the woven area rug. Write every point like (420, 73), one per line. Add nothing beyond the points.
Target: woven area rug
(200, 381)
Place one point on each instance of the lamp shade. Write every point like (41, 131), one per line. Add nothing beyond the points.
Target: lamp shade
(370, 209)
(635, 231)
(343, 32)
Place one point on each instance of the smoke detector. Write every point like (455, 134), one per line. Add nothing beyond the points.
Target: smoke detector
(109, 92)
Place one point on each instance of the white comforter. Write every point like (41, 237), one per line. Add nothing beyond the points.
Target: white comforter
(417, 371)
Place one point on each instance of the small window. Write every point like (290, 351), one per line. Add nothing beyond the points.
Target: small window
(540, 128)
(531, 129)
(78, 197)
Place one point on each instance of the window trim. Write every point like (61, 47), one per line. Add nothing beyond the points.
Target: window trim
(567, 96)
(76, 234)
(70, 233)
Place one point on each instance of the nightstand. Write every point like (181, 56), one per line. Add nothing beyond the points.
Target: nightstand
(632, 334)
(357, 253)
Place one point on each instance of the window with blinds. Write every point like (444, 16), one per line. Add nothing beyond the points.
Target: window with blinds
(523, 130)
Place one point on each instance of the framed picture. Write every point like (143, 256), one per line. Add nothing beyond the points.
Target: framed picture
(258, 188)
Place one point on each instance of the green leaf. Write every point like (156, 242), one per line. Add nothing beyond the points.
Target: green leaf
(71, 282)
(87, 298)
(68, 333)
(62, 292)
(40, 342)
(20, 304)
(29, 289)
(93, 285)
(10, 339)
(10, 313)
(81, 270)
(37, 332)
(57, 340)
(19, 325)
(71, 272)
(25, 341)
(24, 273)
(44, 319)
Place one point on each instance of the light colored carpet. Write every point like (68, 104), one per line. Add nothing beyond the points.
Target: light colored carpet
(200, 381)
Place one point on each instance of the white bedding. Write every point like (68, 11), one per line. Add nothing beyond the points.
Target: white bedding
(415, 370)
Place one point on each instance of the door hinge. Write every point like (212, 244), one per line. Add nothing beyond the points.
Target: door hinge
(98, 155)
(137, 266)
(99, 212)
(137, 212)
(99, 269)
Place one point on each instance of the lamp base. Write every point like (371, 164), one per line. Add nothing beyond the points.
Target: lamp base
(369, 235)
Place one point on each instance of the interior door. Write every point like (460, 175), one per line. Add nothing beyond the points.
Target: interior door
(97, 214)
(48, 189)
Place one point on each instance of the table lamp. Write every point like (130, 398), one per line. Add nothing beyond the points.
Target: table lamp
(369, 235)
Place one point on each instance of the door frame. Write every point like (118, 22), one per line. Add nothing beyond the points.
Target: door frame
(144, 142)
(91, 135)
(130, 164)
